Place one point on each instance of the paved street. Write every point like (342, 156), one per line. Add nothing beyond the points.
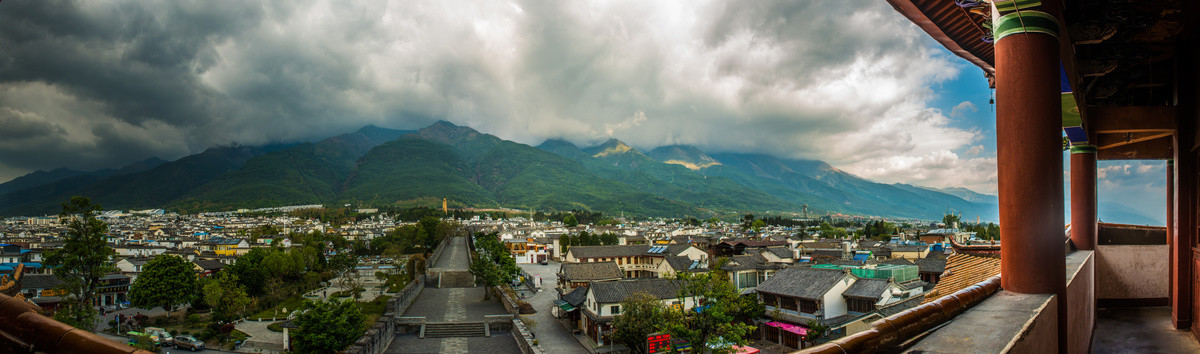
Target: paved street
(456, 256)
(260, 335)
(551, 335)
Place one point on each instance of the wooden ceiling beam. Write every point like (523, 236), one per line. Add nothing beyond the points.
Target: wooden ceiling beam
(1132, 119)
(1108, 141)
(1158, 149)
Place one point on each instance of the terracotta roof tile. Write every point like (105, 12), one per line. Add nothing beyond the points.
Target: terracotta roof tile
(962, 271)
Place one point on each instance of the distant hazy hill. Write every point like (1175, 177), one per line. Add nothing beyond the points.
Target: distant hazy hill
(41, 178)
(378, 166)
(154, 187)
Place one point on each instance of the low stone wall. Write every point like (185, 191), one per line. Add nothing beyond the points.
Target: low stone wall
(524, 338)
(380, 335)
(437, 253)
(510, 305)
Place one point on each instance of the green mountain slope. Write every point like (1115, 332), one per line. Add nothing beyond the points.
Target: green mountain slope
(304, 174)
(618, 161)
(475, 169)
(411, 170)
(844, 192)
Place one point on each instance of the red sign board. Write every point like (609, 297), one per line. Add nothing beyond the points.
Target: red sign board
(658, 343)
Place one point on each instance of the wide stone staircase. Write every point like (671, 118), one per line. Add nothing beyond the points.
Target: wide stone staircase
(457, 279)
(455, 330)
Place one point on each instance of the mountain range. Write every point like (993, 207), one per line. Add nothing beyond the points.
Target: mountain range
(379, 166)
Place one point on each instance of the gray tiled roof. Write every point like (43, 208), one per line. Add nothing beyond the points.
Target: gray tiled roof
(591, 271)
(805, 283)
(680, 263)
(750, 261)
(39, 281)
(624, 251)
(931, 265)
(909, 248)
(617, 291)
(827, 253)
(208, 264)
(781, 252)
(867, 288)
(577, 296)
(898, 261)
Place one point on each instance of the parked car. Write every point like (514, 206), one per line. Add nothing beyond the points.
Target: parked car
(160, 336)
(142, 340)
(189, 343)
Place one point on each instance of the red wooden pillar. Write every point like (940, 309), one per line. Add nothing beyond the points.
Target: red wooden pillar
(1183, 228)
(1029, 153)
(1171, 230)
(1083, 196)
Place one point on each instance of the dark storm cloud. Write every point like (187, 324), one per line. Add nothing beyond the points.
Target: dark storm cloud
(93, 84)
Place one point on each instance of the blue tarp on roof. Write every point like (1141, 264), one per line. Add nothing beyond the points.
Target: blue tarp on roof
(862, 257)
(938, 247)
(7, 269)
(34, 265)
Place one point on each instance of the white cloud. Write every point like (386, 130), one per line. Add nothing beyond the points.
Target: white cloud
(842, 81)
(963, 108)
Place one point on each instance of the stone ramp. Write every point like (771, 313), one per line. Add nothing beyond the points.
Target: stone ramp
(456, 279)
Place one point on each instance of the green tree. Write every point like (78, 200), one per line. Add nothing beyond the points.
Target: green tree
(757, 225)
(950, 219)
(227, 296)
(493, 264)
(641, 315)
(328, 327)
(570, 221)
(723, 313)
(249, 271)
(81, 261)
(488, 273)
(816, 330)
(747, 221)
(415, 266)
(167, 281)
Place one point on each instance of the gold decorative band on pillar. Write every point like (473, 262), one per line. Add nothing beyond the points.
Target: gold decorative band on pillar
(1083, 149)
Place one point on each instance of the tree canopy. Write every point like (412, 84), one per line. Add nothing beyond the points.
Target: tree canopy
(166, 281)
(226, 295)
(641, 315)
(81, 261)
(327, 327)
(493, 264)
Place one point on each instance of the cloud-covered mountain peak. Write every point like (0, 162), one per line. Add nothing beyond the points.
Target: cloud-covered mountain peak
(684, 155)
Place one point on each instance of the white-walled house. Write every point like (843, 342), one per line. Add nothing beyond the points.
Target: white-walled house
(637, 261)
(603, 303)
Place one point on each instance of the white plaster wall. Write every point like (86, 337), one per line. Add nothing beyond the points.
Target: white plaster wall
(1132, 272)
(1081, 303)
(835, 304)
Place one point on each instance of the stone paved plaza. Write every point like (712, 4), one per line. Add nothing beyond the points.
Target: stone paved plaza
(454, 305)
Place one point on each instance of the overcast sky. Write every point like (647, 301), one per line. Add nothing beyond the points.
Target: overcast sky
(98, 83)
